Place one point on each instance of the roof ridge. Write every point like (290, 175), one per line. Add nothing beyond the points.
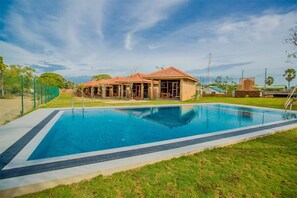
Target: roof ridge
(179, 71)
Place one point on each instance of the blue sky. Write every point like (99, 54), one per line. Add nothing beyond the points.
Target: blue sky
(78, 38)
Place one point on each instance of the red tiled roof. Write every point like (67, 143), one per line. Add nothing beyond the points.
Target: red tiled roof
(109, 81)
(91, 83)
(170, 72)
(135, 78)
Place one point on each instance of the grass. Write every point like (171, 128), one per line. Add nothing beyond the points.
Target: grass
(264, 167)
(65, 100)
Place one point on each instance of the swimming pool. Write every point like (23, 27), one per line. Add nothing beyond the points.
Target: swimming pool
(55, 146)
(102, 129)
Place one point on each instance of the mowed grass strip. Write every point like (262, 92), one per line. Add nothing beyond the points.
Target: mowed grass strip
(65, 100)
(264, 167)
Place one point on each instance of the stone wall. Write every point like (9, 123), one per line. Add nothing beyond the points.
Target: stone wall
(243, 94)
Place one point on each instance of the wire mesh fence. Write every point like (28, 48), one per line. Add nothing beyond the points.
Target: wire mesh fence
(20, 94)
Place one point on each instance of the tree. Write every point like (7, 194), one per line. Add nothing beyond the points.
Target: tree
(269, 80)
(69, 85)
(101, 76)
(12, 75)
(25, 71)
(2, 69)
(292, 40)
(53, 79)
(218, 80)
(289, 75)
(226, 82)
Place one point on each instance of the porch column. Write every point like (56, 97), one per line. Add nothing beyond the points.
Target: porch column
(141, 91)
(181, 82)
(159, 90)
(92, 92)
(128, 92)
(103, 91)
(122, 90)
(152, 89)
(111, 91)
(119, 91)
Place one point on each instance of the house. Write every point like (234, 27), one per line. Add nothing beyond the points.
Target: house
(173, 84)
(213, 90)
(135, 86)
(169, 83)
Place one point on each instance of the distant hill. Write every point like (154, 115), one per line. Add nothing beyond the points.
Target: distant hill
(79, 79)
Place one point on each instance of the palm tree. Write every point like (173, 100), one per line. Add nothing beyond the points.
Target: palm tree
(269, 80)
(289, 75)
(2, 69)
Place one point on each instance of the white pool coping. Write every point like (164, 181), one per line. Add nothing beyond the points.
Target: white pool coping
(14, 130)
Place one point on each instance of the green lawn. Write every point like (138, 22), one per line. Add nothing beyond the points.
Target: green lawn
(264, 167)
(65, 100)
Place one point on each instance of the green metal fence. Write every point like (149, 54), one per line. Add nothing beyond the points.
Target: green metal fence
(40, 94)
(21, 95)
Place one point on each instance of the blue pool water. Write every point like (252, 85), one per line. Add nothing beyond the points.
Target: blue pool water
(100, 129)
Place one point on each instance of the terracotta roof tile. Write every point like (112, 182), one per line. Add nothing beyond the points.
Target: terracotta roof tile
(169, 72)
(91, 83)
(135, 78)
(101, 82)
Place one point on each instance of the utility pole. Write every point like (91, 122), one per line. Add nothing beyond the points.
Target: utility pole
(208, 68)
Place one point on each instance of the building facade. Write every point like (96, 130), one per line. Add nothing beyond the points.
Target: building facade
(169, 83)
(213, 90)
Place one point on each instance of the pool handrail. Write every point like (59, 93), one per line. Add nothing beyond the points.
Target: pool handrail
(290, 99)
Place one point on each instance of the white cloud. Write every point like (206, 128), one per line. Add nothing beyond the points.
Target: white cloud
(255, 33)
(128, 41)
(72, 30)
(146, 14)
(154, 46)
(77, 35)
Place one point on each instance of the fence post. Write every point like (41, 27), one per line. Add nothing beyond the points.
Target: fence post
(45, 95)
(51, 92)
(34, 93)
(40, 93)
(22, 95)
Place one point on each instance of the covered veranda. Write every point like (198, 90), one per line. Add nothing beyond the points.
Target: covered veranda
(173, 84)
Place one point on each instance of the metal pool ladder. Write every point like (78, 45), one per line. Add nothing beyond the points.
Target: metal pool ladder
(83, 103)
(290, 99)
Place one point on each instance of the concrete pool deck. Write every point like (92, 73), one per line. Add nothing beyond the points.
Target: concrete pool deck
(20, 137)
